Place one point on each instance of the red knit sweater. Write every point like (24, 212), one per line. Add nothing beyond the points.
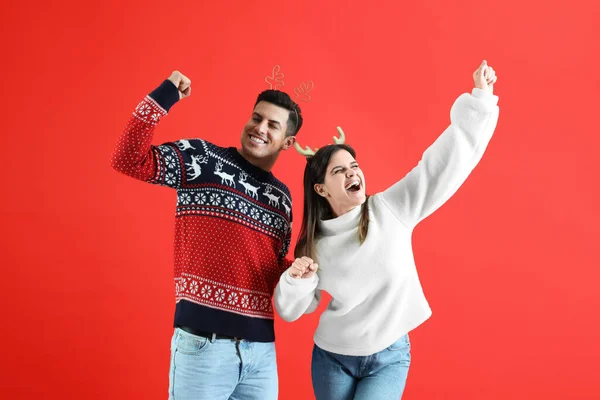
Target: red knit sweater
(232, 224)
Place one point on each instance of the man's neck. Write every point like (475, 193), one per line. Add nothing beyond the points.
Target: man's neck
(266, 163)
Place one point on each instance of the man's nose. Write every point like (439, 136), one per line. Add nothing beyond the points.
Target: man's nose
(262, 127)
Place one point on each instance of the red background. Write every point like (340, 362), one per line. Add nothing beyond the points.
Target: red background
(508, 265)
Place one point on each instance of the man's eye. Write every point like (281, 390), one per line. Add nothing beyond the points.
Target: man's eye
(272, 126)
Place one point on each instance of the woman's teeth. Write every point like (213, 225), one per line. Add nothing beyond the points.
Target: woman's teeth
(353, 186)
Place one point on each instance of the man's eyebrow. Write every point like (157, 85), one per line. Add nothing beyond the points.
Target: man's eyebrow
(271, 120)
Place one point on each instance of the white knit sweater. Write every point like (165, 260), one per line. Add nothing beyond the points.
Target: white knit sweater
(376, 292)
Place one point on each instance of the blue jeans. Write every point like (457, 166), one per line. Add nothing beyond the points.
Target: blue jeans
(203, 369)
(379, 376)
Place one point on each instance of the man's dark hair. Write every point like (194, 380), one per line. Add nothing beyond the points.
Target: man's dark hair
(283, 100)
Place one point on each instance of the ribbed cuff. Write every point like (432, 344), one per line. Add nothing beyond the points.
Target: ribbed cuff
(485, 96)
(312, 281)
(165, 95)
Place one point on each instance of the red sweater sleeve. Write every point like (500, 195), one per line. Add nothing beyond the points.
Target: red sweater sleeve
(134, 155)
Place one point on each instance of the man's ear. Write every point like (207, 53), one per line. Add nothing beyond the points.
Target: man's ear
(288, 142)
(320, 190)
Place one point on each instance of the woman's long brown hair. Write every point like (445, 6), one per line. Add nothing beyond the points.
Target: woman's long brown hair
(316, 207)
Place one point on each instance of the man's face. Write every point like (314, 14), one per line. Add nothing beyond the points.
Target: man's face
(264, 136)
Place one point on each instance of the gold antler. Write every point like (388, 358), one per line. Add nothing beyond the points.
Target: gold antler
(308, 152)
(303, 91)
(342, 137)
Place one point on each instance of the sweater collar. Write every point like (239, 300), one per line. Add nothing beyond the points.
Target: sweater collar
(343, 223)
(257, 172)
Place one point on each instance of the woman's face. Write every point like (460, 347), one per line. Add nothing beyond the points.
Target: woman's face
(344, 185)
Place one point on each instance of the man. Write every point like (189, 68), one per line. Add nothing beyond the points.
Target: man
(233, 228)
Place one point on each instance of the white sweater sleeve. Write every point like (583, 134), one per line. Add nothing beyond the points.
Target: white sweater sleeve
(294, 297)
(447, 163)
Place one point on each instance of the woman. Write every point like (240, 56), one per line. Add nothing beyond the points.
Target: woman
(363, 247)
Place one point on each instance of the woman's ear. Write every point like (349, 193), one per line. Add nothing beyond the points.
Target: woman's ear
(320, 189)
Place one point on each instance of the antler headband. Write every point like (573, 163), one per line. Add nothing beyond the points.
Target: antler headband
(275, 80)
(308, 152)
